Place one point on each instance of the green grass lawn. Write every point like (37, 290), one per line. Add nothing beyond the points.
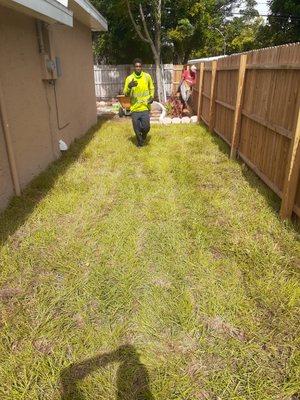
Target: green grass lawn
(155, 273)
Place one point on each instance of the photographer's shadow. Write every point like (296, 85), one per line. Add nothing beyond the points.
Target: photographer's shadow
(132, 379)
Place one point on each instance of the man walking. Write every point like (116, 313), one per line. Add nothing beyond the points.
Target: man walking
(139, 86)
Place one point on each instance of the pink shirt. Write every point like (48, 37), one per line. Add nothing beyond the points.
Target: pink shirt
(189, 77)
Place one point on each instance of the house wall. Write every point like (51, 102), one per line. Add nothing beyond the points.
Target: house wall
(35, 114)
(24, 94)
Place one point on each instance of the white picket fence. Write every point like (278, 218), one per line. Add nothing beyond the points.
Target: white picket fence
(109, 79)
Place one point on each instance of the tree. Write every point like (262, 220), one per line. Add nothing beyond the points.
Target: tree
(284, 21)
(179, 36)
(120, 44)
(249, 13)
(242, 36)
(189, 25)
(242, 32)
(151, 36)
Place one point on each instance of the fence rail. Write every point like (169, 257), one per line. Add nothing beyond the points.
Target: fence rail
(109, 79)
(252, 101)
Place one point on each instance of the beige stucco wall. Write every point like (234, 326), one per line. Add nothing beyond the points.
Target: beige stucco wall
(24, 94)
(30, 101)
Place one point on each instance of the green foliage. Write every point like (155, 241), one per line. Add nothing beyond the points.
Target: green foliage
(179, 36)
(284, 22)
(183, 30)
(199, 16)
(249, 12)
(242, 36)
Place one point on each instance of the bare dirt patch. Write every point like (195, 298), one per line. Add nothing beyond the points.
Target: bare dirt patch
(43, 346)
(218, 325)
(9, 293)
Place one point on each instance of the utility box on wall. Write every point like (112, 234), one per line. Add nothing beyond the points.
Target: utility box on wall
(49, 70)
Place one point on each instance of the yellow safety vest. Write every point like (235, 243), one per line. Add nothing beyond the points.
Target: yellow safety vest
(140, 94)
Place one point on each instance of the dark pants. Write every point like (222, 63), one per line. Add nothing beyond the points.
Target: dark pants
(141, 125)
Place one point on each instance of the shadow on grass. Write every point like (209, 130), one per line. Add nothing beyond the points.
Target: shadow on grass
(133, 140)
(132, 380)
(21, 207)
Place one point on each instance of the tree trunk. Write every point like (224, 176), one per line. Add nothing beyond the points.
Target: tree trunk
(159, 81)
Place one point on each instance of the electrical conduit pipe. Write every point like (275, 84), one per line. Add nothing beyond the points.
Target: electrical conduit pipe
(9, 146)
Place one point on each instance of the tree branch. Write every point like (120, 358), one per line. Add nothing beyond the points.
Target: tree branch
(147, 31)
(158, 27)
(137, 28)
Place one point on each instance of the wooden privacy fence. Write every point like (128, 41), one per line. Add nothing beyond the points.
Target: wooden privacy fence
(252, 101)
(109, 79)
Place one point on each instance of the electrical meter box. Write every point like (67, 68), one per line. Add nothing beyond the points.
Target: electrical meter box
(49, 70)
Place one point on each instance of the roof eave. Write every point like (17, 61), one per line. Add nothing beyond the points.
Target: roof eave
(97, 21)
(48, 10)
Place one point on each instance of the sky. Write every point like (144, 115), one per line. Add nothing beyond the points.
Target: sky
(262, 7)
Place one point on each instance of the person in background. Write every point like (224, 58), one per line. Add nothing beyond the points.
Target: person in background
(188, 81)
(139, 86)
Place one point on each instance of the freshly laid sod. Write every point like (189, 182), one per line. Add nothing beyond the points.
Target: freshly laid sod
(155, 273)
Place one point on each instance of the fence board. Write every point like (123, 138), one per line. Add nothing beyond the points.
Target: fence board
(199, 85)
(292, 173)
(206, 82)
(268, 109)
(212, 105)
(177, 71)
(223, 122)
(205, 108)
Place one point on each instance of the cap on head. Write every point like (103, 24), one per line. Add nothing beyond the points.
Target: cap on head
(193, 68)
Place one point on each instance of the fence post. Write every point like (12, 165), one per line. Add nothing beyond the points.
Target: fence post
(200, 91)
(212, 96)
(292, 173)
(238, 107)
